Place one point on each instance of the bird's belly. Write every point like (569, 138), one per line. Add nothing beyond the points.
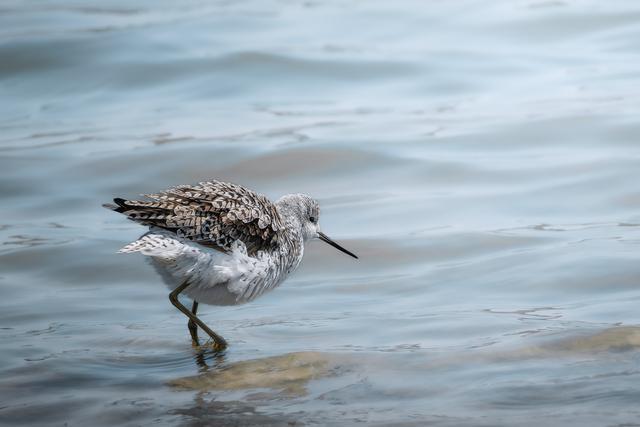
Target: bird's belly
(212, 294)
(217, 278)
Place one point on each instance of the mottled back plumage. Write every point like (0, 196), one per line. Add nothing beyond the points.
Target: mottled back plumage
(214, 214)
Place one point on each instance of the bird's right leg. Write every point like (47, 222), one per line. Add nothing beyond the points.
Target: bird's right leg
(193, 328)
(219, 343)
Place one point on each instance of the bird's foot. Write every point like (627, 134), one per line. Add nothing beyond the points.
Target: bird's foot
(209, 345)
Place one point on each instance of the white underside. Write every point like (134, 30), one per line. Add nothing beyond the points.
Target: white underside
(214, 277)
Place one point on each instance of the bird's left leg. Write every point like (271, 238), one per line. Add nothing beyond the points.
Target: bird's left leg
(193, 328)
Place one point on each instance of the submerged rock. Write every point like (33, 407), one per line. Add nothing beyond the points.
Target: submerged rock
(610, 340)
(289, 373)
(613, 339)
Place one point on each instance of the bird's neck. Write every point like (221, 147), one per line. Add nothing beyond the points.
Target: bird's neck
(292, 248)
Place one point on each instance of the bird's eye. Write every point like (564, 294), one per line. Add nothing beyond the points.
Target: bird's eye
(312, 219)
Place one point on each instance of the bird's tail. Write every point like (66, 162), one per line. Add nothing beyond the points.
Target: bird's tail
(154, 213)
(118, 207)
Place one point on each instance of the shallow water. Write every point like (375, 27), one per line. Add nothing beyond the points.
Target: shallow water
(482, 158)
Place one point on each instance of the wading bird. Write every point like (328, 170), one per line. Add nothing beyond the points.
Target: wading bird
(221, 243)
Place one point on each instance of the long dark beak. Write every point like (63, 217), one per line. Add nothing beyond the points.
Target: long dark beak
(325, 239)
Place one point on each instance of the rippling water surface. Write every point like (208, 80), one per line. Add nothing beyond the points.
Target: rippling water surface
(482, 158)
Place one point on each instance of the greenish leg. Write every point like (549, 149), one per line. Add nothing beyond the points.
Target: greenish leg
(193, 328)
(219, 343)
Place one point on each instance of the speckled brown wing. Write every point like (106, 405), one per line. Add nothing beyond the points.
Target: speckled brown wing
(214, 214)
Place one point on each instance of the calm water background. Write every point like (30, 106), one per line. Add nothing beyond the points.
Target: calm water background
(482, 158)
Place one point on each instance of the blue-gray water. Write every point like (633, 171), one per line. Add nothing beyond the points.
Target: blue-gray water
(482, 158)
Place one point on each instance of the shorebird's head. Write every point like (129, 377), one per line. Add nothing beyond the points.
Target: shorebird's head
(307, 212)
